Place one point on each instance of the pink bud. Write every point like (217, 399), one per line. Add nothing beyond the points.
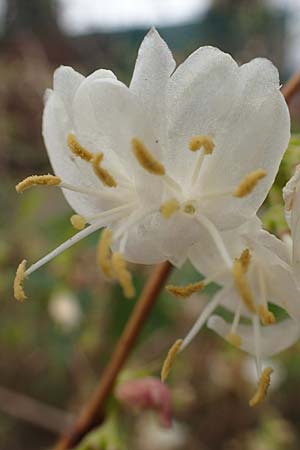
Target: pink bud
(147, 393)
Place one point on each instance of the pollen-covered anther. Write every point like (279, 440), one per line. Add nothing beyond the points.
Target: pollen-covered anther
(103, 174)
(266, 316)
(77, 149)
(19, 293)
(146, 159)
(245, 259)
(249, 182)
(123, 275)
(37, 180)
(202, 141)
(168, 362)
(263, 386)
(234, 339)
(78, 222)
(242, 285)
(103, 253)
(185, 291)
(169, 207)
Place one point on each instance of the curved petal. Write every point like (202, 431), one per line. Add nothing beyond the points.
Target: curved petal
(152, 71)
(200, 95)
(274, 338)
(66, 81)
(107, 116)
(253, 135)
(56, 127)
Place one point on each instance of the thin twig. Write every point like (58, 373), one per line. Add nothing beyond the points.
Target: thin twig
(93, 412)
(33, 411)
(291, 87)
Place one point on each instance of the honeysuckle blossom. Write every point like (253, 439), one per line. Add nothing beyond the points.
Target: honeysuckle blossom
(291, 196)
(252, 266)
(179, 151)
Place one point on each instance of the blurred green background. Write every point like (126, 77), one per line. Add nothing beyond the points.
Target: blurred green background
(54, 346)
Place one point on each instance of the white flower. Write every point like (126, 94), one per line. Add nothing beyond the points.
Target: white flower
(291, 196)
(180, 149)
(253, 267)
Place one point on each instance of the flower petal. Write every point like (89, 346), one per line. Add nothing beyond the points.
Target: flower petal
(56, 126)
(253, 135)
(274, 338)
(153, 68)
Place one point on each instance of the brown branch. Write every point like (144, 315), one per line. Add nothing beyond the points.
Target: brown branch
(93, 412)
(291, 87)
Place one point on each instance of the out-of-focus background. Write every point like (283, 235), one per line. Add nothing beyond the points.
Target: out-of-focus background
(54, 346)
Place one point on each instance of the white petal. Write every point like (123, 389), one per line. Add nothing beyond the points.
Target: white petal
(66, 81)
(153, 68)
(56, 126)
(200, 94)
(274, 338)
(254, 135)
(107, 116)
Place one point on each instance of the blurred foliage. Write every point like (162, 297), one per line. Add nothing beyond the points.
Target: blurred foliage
(54, 346)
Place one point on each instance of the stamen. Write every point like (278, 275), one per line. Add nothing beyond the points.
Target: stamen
(211, 228)
(266, 316)
(185, 291)
(103, 253)
(146, 159)
(249, 182)
(102, 220)
(202, 141)
(207, 311)
(34, 180)
(245, 259)
(19, 293)
(234, 339)
(168, 208)
(242, 285)
(168, 363)
(263, 387)
(257, 344)
(78, 222)
(78, 149)
(123, 275)
(103, 174)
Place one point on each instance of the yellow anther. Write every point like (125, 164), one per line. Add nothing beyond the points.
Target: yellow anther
(103, 253)
(234, 339)
(146, 159)
(123, 275)
(245, 259)
(266, 316)
(202, 141)
(103, 174)
(19, 293)
(189, 208)
(78, 222)
(263, 386)
(168, 208)
(168, 362)
(185, 291)
(78, 149)
(249, 182)
(242, 285)
(37, 180)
